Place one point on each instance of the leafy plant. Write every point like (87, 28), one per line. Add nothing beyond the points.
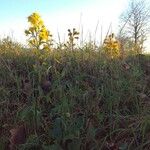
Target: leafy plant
(39, 36)
(72, 35)
(111, 46)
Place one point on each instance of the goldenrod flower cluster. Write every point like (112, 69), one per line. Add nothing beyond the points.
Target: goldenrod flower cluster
(40, 37)
(111, 46)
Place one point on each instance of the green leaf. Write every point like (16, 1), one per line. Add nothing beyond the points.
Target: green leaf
(57, 131)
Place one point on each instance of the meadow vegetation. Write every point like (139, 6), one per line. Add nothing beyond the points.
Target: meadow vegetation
(70, 97)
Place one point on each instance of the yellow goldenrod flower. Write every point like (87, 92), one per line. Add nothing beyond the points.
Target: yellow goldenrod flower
(111, 46)
(34, 19)
(44, 34)
(38, 33)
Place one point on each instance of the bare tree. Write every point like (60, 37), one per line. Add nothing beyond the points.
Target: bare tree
(136, 23)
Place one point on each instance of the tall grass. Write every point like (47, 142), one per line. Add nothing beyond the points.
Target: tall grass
(74, 99)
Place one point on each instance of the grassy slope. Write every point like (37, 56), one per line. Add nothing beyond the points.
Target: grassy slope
(74, 100)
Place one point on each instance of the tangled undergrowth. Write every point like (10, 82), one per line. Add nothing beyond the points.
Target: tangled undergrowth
(73, 100)
(67, 98)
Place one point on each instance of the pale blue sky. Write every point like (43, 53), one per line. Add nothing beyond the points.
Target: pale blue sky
(59, 15)
(20, 8)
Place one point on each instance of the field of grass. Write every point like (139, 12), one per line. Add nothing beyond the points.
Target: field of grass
(73, 100)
